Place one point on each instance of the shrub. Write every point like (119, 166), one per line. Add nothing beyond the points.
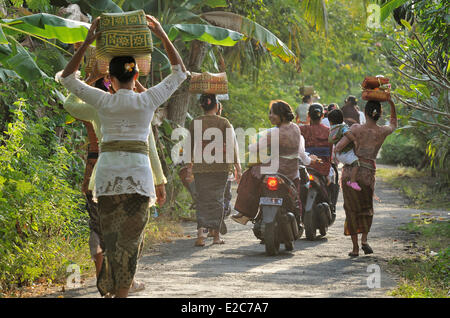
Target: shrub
(43, 224)
(401, 150)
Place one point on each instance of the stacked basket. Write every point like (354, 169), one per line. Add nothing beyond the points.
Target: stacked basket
(376, 88)
(208, 83)
(124, 34)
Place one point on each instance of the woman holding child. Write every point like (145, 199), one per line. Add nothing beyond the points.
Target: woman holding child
(358, 205)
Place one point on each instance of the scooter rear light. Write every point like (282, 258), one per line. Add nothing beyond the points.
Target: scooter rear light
(272, 183)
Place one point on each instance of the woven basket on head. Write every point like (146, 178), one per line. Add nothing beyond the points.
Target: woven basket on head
(372, 82)
(208, 83)
(143, 63)
(307, 90)
(124, 34)
(377, 95)
(89, 59)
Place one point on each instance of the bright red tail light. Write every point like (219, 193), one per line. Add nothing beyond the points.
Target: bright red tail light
(272, 183)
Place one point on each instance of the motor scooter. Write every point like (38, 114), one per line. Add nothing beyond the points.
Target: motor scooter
(318, 201)
(278, 217)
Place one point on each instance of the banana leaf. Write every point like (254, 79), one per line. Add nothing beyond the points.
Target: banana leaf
(47, 26)
(160, 61)
(315, 13)
(97, 7)
(389, 7)
(5, 74)
(207, 33)
(251, 30)
(3, 39)
(20, 61)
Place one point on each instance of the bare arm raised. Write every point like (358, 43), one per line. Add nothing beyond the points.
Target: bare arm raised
(74, 63)
(172, 53)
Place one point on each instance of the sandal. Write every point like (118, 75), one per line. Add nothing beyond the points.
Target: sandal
(201, 236)
(217, 239)
(366, 248)
(136, 287)
(220, 241)
(240, 218)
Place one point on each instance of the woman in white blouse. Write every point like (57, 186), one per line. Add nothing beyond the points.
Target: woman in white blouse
(124, 183)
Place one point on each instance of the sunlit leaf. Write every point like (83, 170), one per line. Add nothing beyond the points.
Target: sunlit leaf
(406, 24)
(253, 31)
(206, 33)
(49, 26)
(3, 39)
(389, 7)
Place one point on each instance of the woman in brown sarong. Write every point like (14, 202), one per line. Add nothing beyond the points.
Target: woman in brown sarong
(358, 205)
(211, 175)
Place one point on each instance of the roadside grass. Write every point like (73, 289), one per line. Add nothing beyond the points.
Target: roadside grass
(427, 274)
(422, 190)
(161, 230)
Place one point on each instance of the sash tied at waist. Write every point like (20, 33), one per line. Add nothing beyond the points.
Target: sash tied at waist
(134, 146)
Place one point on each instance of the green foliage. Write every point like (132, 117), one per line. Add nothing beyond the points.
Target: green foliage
(419, 57)
(402, 150)
(43, 224)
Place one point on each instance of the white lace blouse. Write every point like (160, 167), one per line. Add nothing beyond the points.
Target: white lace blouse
(125, 115)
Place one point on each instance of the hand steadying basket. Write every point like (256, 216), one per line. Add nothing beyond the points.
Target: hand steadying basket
(208, 83)
(376, 88)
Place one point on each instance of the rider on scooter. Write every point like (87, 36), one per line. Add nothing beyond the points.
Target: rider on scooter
(281, 116)
(316, 139)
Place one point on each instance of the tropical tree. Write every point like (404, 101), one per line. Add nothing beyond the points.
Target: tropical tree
(419, 56)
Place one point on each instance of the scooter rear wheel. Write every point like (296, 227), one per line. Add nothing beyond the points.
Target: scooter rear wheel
(271, 240)
(310, 226)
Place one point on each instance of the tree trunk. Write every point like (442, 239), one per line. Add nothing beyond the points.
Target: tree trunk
(182, 99)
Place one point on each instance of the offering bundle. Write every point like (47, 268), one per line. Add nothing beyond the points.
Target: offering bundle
(208, 83)
(376, 88)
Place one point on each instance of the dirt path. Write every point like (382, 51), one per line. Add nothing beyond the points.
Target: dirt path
(240, 268)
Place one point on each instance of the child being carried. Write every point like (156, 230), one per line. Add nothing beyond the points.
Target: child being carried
(347, 156)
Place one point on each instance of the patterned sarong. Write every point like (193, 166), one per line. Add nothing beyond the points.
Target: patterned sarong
(358, 205)
(123, 218)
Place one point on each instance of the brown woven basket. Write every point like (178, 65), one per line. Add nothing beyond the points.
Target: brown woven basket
(143, 63)
(208, 83)
(307, 90)
(371, 82)
(377, 95)
(124, 34)
(89, 59)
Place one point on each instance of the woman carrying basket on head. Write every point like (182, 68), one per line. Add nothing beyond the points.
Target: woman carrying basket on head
(124, 183)
(358, 205)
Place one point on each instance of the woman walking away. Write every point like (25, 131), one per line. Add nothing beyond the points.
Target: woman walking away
(358, 205)
(123, 183)
(211, 177)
